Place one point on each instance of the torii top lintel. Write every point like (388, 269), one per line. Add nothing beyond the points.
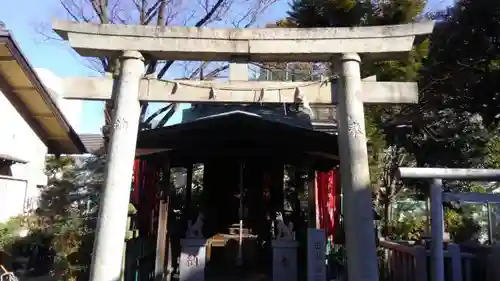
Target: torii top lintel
(257, 44)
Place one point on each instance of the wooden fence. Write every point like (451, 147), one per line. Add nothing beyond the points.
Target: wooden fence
(403, 261)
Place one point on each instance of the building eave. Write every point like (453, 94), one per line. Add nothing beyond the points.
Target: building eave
(24, 89)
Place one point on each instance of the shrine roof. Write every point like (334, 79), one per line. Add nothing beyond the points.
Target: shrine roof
(282, 114)
(24, 89)
(240, 133)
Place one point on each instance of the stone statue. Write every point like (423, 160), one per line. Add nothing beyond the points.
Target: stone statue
(195, 230)
(284, 232)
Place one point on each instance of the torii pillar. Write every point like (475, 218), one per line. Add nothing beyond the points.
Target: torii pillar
(354, 172)
(107, 258)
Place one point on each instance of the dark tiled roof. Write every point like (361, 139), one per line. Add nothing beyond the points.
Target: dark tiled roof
(273, 113)
(94, 143)
(324, 121)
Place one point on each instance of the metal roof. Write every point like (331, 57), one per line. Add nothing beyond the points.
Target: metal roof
(24, 89)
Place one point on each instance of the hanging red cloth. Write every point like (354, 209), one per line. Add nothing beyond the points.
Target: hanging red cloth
(144, 193)
(326, 200)
(136, 182)
(334, 199)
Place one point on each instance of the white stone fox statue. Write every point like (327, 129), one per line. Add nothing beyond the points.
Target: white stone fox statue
(284, 232)
(195, 230)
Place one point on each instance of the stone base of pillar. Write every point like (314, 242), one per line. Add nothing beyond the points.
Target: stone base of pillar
(285, 260)
(193, 260)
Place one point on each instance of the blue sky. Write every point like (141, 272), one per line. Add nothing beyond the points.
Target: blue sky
(27, 27)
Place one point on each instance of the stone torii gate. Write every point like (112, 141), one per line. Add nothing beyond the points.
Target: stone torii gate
(239, 46)
(437, 196)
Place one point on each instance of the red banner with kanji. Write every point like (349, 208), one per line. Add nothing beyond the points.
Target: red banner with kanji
(327, 201)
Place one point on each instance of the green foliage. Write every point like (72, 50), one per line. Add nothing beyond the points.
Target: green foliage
(347, 13)
(493, 151)
(466, 79)
(461, 227)
(385, 144)
(408, 229)
(376, 144)
(65, 218)
(457, 69)
(9, 232)
(61, 175)
(310, 13)
(459, 96)
(69, 203)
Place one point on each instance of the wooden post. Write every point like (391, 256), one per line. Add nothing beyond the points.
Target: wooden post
(420, 256)
(437, 230)
(490, 224)
(239, 258)
(456, 262)
(187, 213)
(161, 239)
(311, 196)
(427, 228)
(238, 71)
(189, 187)
(317, 203)
(494, 262)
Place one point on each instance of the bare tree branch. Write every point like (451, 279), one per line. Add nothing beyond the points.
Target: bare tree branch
(100, 11)
(209, 14)
(161, 13)
(72, 13)
(200, 23)
(212, 74)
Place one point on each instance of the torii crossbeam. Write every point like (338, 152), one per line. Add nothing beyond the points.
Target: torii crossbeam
(190, 91)
(130, 42)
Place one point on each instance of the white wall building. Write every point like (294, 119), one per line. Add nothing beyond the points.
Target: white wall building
(35, 122)
(19, 180)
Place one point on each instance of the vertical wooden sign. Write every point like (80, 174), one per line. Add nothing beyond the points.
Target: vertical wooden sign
(316, 254)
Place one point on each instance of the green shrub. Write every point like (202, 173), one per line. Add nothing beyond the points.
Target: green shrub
(407, 229)
(461, 227)
(9, 233)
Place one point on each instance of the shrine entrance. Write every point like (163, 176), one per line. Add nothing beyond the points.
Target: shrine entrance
(247, 192)
(128, 87)
(242, 202)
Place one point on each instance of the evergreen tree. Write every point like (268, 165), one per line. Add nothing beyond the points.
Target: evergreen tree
(347, 13)
(456, 123)
(385, 148)
(459, 91)
(62, 226)
(328, 13)
(464, 61)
